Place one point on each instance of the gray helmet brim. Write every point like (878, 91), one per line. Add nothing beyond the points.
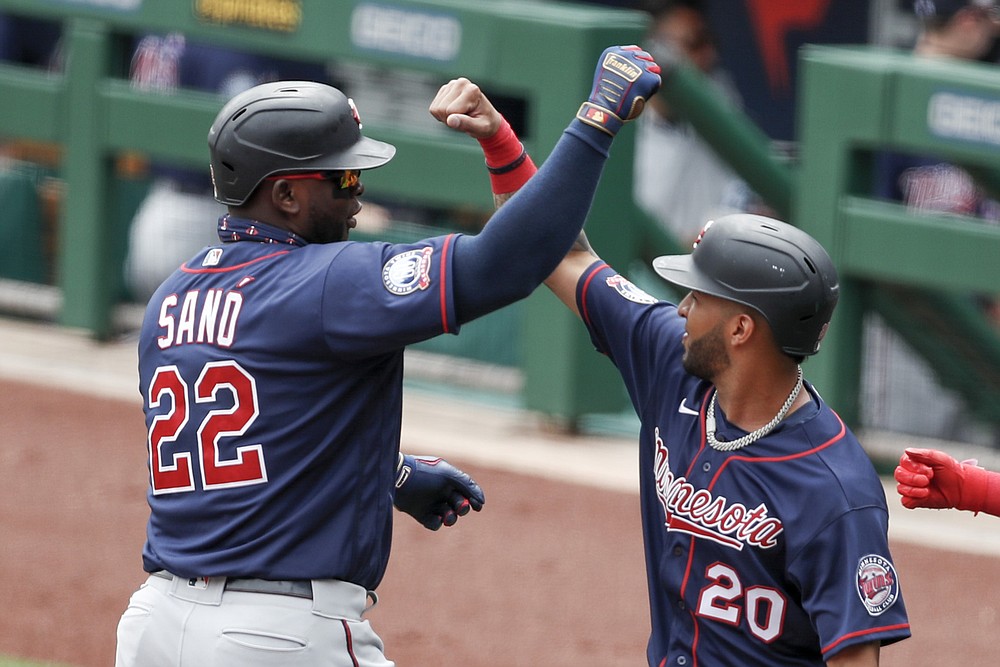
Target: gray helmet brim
(367, 153)
(680, 270)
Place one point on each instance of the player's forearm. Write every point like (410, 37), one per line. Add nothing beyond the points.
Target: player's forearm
(564, 279)
(525, 240)
(505, 148)
(499, 199)
(859, 655)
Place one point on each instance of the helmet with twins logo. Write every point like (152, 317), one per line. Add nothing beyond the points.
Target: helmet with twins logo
(770, 266)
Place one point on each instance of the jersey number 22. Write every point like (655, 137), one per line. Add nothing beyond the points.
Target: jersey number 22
(177, 474)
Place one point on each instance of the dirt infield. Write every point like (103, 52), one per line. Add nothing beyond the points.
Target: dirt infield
(549, 574)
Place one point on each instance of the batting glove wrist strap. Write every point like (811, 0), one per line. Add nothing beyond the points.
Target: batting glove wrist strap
(991, 494)
(599, 117)
(980, 490)
(625, 78)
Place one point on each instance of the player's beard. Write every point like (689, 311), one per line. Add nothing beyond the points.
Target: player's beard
(706, 357)
(325, 227)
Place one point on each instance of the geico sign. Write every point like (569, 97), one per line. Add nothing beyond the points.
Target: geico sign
(406, 31)
(964, 117)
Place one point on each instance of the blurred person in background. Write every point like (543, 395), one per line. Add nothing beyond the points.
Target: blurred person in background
(955, 29)
(905, 396)
(679, 179)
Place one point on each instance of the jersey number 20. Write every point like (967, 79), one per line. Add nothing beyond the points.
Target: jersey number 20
(177, 474)
(764, 607)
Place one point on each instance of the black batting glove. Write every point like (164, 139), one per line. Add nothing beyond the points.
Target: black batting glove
(434, 492)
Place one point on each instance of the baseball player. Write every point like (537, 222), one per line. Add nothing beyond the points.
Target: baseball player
(933, 479)
(765, 523)
(271, 368)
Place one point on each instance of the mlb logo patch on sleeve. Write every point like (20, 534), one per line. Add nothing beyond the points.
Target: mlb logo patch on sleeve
(213, 257)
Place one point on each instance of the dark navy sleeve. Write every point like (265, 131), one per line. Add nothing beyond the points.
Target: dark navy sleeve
(640, 334)
(528, 236)
(838, 551)
(404, 290)
(850, 586)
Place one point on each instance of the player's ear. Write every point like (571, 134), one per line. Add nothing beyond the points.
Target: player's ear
(742, 326)
(283, 197)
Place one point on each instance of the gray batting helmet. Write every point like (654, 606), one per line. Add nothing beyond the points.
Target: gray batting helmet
(774, 268)
(287, 126)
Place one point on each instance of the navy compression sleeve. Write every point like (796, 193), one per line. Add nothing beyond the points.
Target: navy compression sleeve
(528, 236)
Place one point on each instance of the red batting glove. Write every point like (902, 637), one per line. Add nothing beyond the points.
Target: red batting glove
(913, 483)
(933, 479)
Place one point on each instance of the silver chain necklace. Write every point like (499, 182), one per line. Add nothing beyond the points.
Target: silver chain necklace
(740, 443)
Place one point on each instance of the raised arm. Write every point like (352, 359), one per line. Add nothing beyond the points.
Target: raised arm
(462, 106)
(526, 238)
(564, 279)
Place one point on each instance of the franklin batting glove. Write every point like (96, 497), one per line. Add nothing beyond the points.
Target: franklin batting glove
(434, 492)
(625, 78)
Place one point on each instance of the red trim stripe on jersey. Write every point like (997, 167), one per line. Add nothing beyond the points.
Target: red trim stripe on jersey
(444, 283)
(586, 286)
(697, 636)
(862, 633)
(186, 269)
(694, 617)
(789, 457)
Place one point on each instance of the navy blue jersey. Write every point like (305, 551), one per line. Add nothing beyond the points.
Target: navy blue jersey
(274, 411)
(773, 554)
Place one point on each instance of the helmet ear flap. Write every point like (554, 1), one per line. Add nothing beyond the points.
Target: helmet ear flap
(287, 126)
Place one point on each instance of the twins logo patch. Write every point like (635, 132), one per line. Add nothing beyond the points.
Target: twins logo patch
(408, 272)
(627, 289)
(878, 586)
